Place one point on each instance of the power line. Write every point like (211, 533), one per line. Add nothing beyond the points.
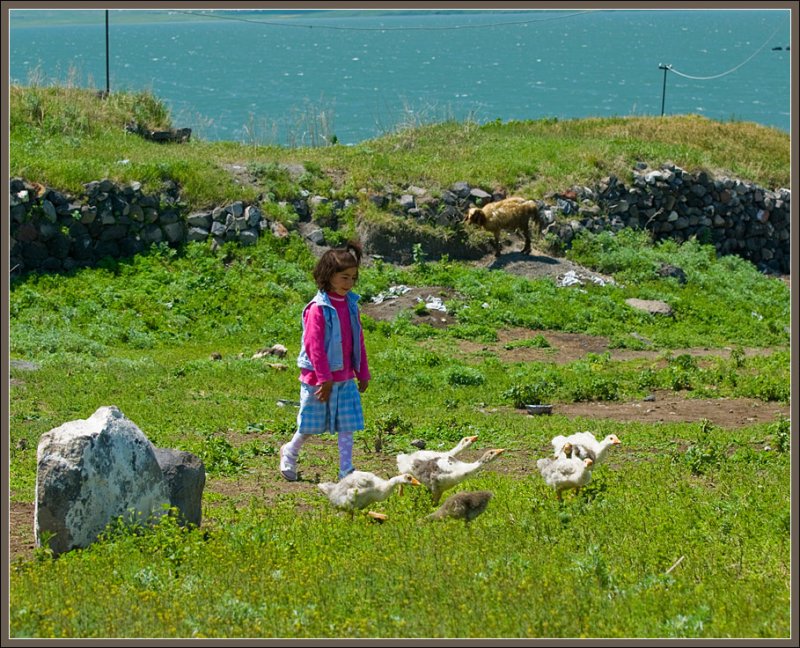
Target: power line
(669, 68)
(733, 69)
(288, 23)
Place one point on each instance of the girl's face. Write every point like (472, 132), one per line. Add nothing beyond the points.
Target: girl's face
(343, 282)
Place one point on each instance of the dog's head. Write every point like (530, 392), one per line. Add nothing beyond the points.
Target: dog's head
(475, 216)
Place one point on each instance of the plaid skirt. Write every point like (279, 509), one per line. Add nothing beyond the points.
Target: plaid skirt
(342, 412)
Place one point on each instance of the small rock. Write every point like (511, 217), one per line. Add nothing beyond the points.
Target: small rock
(24, 365)
(419, 443)
(652, 306)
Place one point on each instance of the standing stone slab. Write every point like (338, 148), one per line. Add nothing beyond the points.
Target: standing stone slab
(185, 475)
(91, 471)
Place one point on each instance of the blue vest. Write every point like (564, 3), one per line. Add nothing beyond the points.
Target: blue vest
(333, 333)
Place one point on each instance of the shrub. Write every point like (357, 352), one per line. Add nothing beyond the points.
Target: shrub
(781, 434)
(535, 393)
(465, 376)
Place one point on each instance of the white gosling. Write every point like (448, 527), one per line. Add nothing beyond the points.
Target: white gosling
(360, 489)
(442, 473)
(405, 462)
(567, 471)
(585, 445)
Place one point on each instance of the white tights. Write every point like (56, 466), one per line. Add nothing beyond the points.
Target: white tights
(345, 442)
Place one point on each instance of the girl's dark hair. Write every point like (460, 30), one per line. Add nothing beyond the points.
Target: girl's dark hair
(336, 260)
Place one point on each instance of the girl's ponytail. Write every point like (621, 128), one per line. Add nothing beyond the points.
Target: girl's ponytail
(354, 248)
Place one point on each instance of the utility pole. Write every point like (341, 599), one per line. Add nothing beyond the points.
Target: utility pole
(108, 80)
(661, 66)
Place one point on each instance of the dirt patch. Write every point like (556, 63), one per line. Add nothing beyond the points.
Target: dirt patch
(568, 347)
(538, 265)
(563, 347)
(21, 542)
(668, 407)
(412, 301)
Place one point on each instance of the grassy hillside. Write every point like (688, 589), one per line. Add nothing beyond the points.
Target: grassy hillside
(684, 532)
(63, 137)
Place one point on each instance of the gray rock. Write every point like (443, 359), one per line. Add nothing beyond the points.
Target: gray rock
(669, 270)
(407, 202)
(201, 219)
(197, 234)
(185, 476)
(652, 306)
(90, 472)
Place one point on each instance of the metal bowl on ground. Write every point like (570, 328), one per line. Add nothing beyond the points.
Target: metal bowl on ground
(539, 409)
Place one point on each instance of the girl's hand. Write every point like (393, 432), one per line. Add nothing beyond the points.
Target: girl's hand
(324, 391)
(362, 385)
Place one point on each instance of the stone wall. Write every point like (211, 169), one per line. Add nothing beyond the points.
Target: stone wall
(51, 231)
(735, 216)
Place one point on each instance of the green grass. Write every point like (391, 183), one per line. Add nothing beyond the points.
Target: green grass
(148, 325)
(139, 334)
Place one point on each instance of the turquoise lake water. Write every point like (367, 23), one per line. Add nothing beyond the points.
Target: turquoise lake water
(293, 80)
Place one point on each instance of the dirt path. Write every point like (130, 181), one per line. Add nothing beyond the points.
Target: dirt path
(563, 347)
(671, 408)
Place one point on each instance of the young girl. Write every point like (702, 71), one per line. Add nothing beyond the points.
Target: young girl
(332, 354)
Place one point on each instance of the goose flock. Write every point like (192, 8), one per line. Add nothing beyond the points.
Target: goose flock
(570, 468)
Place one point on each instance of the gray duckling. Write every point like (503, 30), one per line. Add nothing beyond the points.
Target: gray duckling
(466, 506)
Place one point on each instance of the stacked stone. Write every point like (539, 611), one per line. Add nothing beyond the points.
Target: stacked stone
(735, 216)
(51, 231)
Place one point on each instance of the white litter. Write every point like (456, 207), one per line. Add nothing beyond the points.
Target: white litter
(572, 278)
(434, 303)
(569, 279)
(393, 293)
